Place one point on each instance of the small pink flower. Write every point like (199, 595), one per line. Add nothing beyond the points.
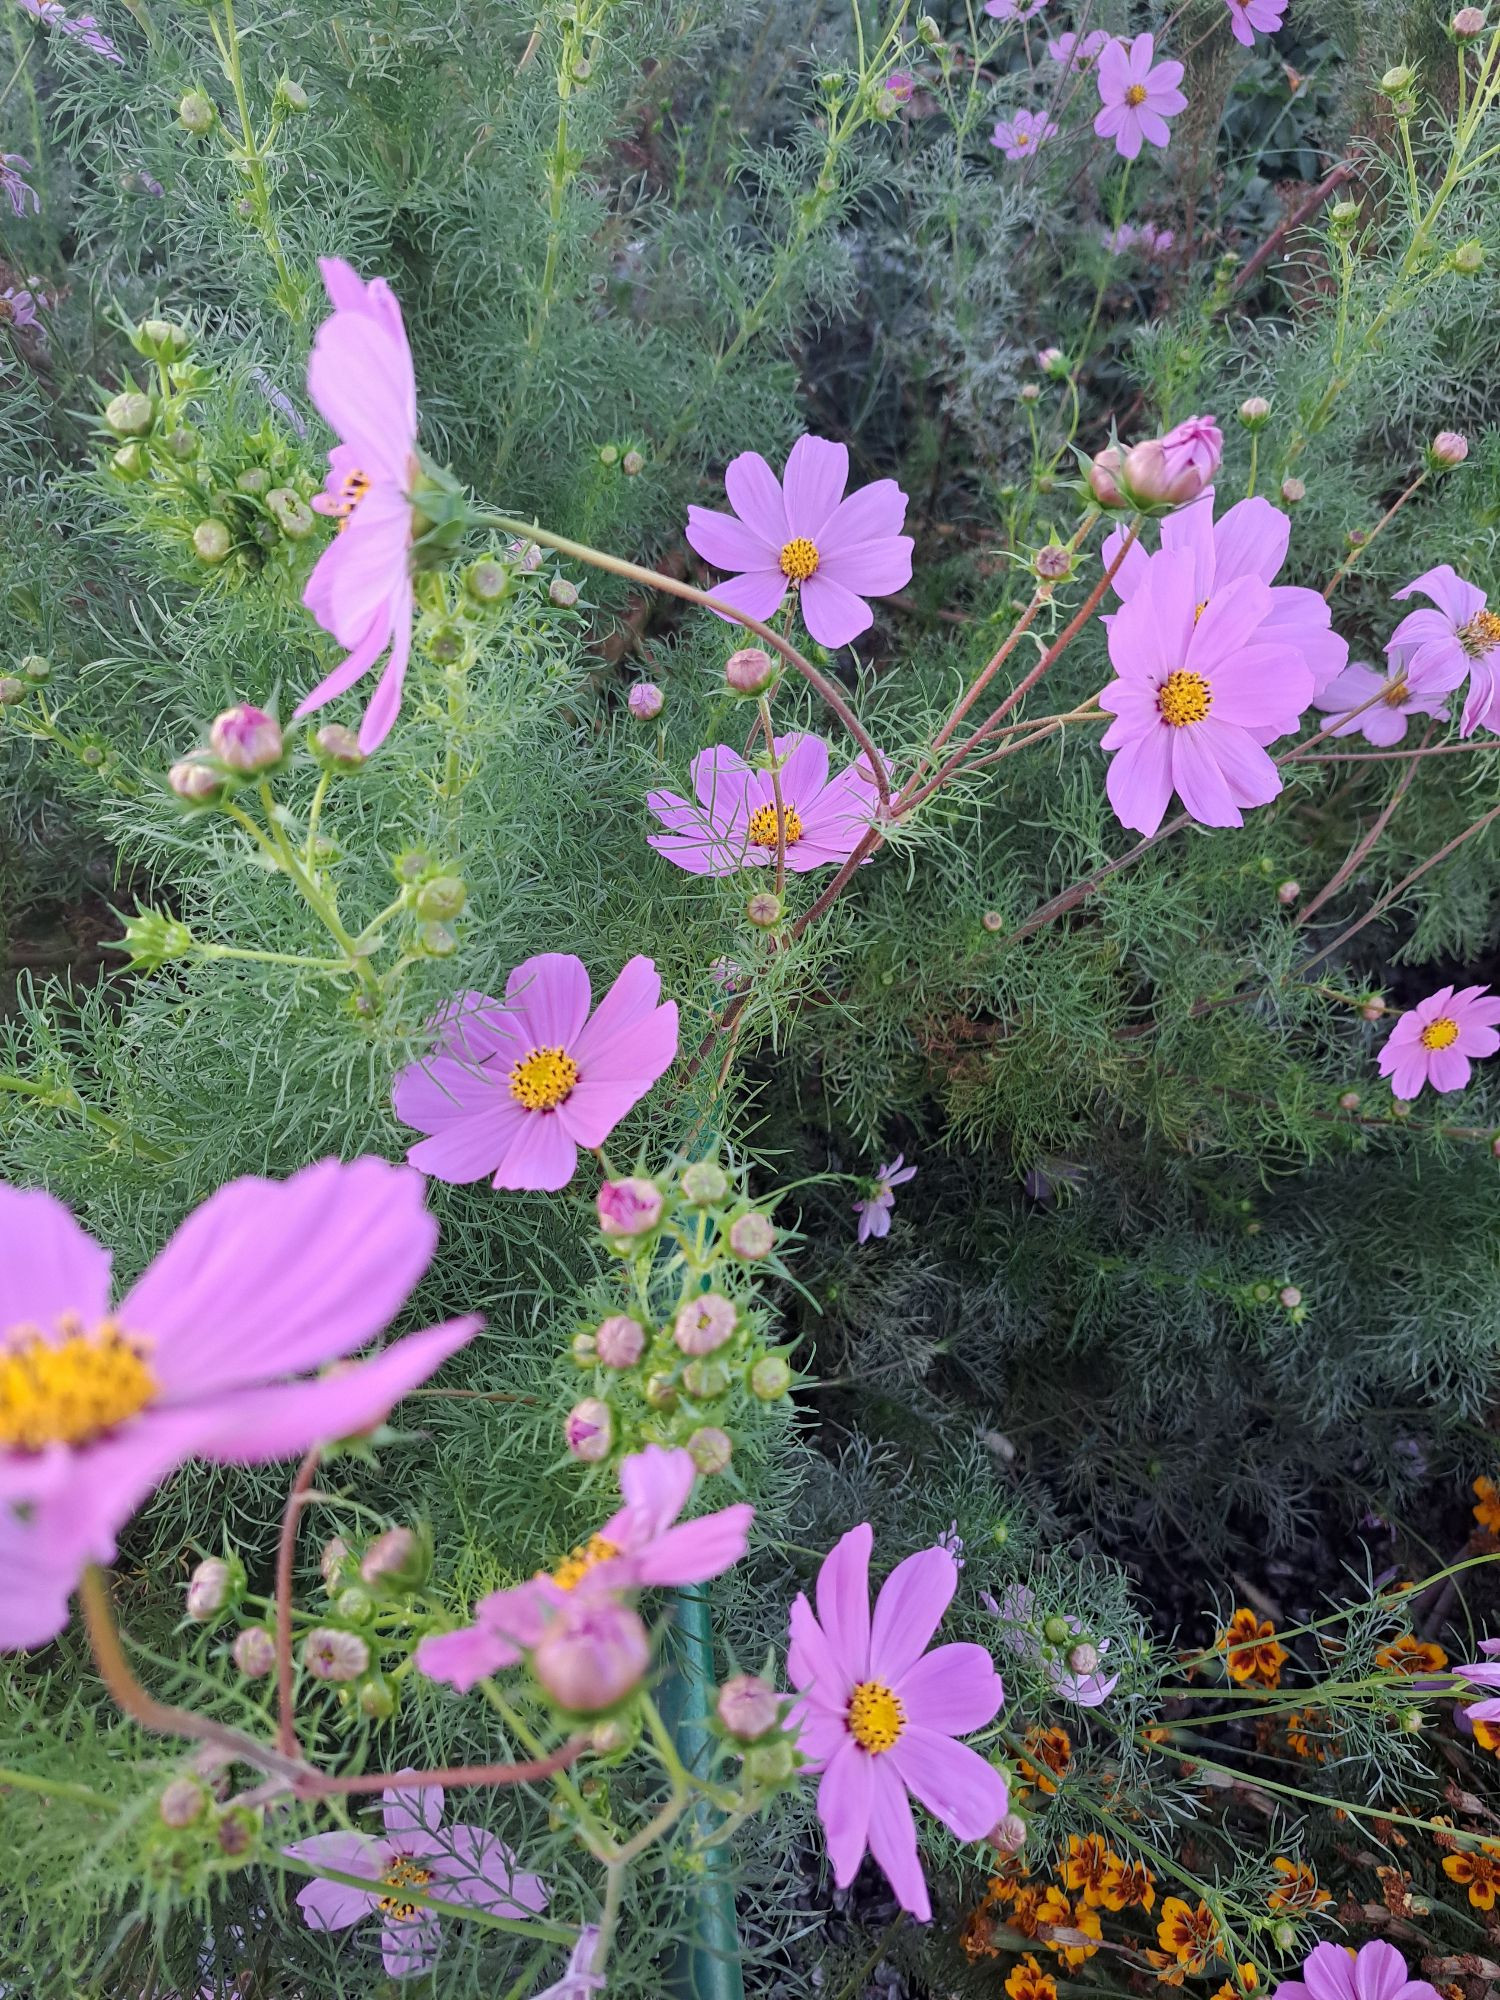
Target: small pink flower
(879, 1713)
(360, 377)
(734, 824)
(1385, 723)
(210, 1355)
(1483, 1673)
(1141, 236)
(1245, 16)
(18, 306)
(874, 1208)
(1437, 1041)
(1195, 445)
(1438, 649)
(456, 1864)
(800, 533)
(580, 1979)
(515, 1087)
(1377, 1971)
(642, 1546)
(1020, 135)
(16, 190)
(1136, 99)
(84, 28)
(1069, 48)
(246, 739)
(899, 86)
(1013, 10)
(1021, 1634)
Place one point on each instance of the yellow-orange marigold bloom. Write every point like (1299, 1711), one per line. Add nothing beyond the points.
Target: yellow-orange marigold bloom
(1250, 1649)
(1129, 1885)
(1479, 1873)
(1247, 1980)
(1298, 1888)
(1189, 1936)
(1089, 1866)
(1024, 1910)
(1487, 1736)
(1411, 1655)
(1029, 1982)
(1048, 1754)
(1487, 1509)
(1057, 1912)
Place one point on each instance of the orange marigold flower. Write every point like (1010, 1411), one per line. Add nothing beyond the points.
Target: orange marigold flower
(1048, 1754)
(1005, 1886)
(1058, 1913)
(1023, 1916)
(1248, 1981)
(1298, 1889)
(1250, 1649)
(1299, 1741)
(1129, 1885)
(1029, 1982)
(1478, 1873)
(1410, 1655)
(1190, 1936)
(1487, 1511)
(1089, 1866)
(1487, 1736)
(977, 1938)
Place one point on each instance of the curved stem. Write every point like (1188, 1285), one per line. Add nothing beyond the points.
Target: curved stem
(296, 1500)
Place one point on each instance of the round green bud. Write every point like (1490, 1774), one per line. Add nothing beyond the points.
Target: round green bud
(412, 865)
(354, 1606)
(183, 443)
(377, 1698)
(1397, 81)
(161, 340)
(94, 755)
(1467, 258)
(211, 541)
(706, 1381)
(443, 896)
(1056, 1630)
(703, 1183)
(254, 479)
(438, 940)
(609, 454)
(562, 593)
(130, 461)
(488, 581)
(447, 643)
(291, 513)
(33, 667)
(196, 114)
(130, 414)
(772, 1763)
(661, 1392)
(291, 96)
(1344, 216)
(11, 690)
(770, 1379)
(585, 1350)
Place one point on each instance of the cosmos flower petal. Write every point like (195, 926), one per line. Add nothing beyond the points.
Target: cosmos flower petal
(51, 1265)
(759, 593)
(333, 1906)
(625, 1009)
(876, 513)
(550, 994)
(655, 1483)
(409, 1946)
(954, 1782)
(832, 614)
(1250, 539)
(804, 768)
(893, 1839)
(477, 1869)
(909, 1610)
(470, 1148)
(817, 471)
(695, 1551)
(843, 1599)
(726, 542)
(754, 492)
(952, 1689)
(366, 651)
(1458, 599)
(876, 568)
(1199, 782)
(409, 1809)
(542, 1156)
(1139, 780)
(812, 1665)
(464, 1657)
(845, 1801)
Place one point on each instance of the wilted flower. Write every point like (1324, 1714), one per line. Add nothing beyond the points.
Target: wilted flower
(1439, 1039)
(1136, 98)
(17, 191)
(734, 824)
(1020, 135)
(874, 1207)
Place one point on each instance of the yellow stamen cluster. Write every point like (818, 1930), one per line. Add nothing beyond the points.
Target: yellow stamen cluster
(352, 489)
(1440, 1034)
(876, 1717)
(403, 1874)
(1480, 636)
(575, 1566)
(543, 1079)
(799, 558)
(70, 1389)
(762, 828)
(1136, 94)
(1183, 698)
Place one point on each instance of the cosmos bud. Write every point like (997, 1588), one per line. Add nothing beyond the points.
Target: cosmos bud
(593, 1653)
(182, 1803)
(208, 1590)
(747, 1708)
(130, 414)
(752, 1237)
(645, 701)
(196, 114)
(246, 740)
(620, 1341)
(704, 1324)
(589, 1430)
(254, 1652)
(211, 541)
(331, 1655)
(711, 1449)
(749, 671)
(1447, 449)
(629, 1207)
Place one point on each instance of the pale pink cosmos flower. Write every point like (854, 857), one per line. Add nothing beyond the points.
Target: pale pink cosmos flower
(18, 307)
(515, 1087)
(1249, 539)
(83, 28)
(580, 1979)
(1136, 98)
(642, 1546)
(210, 1354)
(1021, 1634)
(874, 1208)
(15, 188)
(878, 1713)
(734, 823)
(1483, 1673)
(1377, 1971)
(800, 533)
(360, 377)
(1386, 722)
(1080, 52)
(1013, 10)
(1438, 649)
(1245, 16)
(1141, 236)
(451, 1864)
(1197, 697)
(1439, 1039)
(1019, 135)
(899, 86)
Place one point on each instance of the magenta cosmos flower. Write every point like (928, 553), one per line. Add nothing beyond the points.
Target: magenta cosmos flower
(1013, 10)
(1136, 99)
(453, 1864)
(1021, 134)
(1197, 696)
(1249, 539)
(734, 826)
(515, 1087)
(208, 1355)
(18, 307)
(1069, 48)
(1377, 1971)
(1384, 723)
(360, 377)
(1438, 650)
(878, 1713)
(874, 1208)
(800, 533)
(642, 1546)
(1439, 1039)
(1483, 1673)
(579, 1979)
(1245, 16)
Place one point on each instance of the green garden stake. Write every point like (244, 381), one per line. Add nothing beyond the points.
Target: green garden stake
(707, 1964)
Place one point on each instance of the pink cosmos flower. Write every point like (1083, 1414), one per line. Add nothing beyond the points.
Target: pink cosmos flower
(17, 191)
(18, 307)
(1198, 696)
(1439, 1039)
(454, 1864)
(1438, 649)
(360, 377)
(84, 28)
(642, 1546)
(515, 1087)
(878, 1713)
(1142, 236)
(733, 825)
(1021, 1634)
(1245, 16)
(209, 1355)
(1019, 135)
(899, 86)
(1136, 99)
(1376, 1972)
(1013, 10)
(800, 533)
(1483, 1673)
(1069, 48)
(1249, 539)
(579, 1980)
(874, 1208)
(1385, 723)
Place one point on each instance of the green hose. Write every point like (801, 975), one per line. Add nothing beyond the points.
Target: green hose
(707, 1963)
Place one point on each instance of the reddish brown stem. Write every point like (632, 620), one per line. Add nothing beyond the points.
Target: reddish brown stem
(319, 1784)
(1253, 266)
(1383, 903)
(1361, 848)
(296, 1500)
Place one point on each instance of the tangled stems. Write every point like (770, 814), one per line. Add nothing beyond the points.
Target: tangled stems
(62, 1097)
(251, 154)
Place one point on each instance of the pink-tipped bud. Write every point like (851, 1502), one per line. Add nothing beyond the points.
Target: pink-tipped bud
(194, 781)
(589, 1429)
(181, 1803)
(1052, 361)
(1255, 413)
(331, 1655)
(749, 671)
(711, 1449)
(704, 1324)
(1372, 1010)
(1289, 1296)
(333, 1559)
(338, 746)
(1467, 24)
(628, 1208)
(1172, 470)
(1448, 448)
(563, 593)
(1104, 474)
(396, 1561)
(1288, 892)
(1052, 562)
(752, 1237)
(1349, 1101)
(208, 1590)
(246, 740)
(620, 1341)
(645, 701)
(593, 1653)
(747, 1708)
(254, 1652)
(1009, 1835)
(764, 910)
(1029, 393)
(1293, 492)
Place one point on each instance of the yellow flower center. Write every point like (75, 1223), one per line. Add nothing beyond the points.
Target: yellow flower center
(1136, 94)
(352, 489)
(543, 1079)
(70, 1389)
(1396, 693)
(403, 1874)
(1440, 1034)
(1200, 610)
(1022, 139)
(1183, 698)
(762, 829)
(876, 1717)
(1480, 636)
(588, 1555)
(799, 558)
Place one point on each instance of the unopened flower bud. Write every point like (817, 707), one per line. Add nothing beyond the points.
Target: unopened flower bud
(710, 1449)
(1261, 1294)
(632, 465)
(1104, 473)
(584, 1348)
(609, 454)
(236, 1832)
(291, 96)
(378, 1698)
(1289, 1296)
(1396, 82)
(704, 1183)
(562, 593)
(607, 1739)
(706, 1381)
(1288, 892)
(211, 541)
(443, 896)
(1008, 1834)
(354, 1606)
(1448, 448)
(437, 940)
(1373, 1010)
(331, 1655)
(1467, 258)
(929, 34)
(661, 1392)
(246, 740)
(34, 668)
(770, 1378)
(1084, 1658)
(645, 701)
(195, 782)
(333, 1560)
(182, 1803)
(764, 910)
(1056, 1630)
(752, 1237)
(629, 1207)
(487, 581)
(992, 920)
(1466, 24)
(1052, 563)
(1401, 1108)
(11, 690)
(704, 1324)
(291, 513)
(254, 1652)
(1349, 1101)
(130, 414)
(396, 1561)
(593, 1652)
(208, 1590)
(130, 461)
(749, 671)
(1293, 492)
(195, 113)
(772, 1763)
(1152, 480)
(620, 1341)
(1052, 361)
(1343, 217)
(1255, 413)
(747, 1708)
(161, 340)
(589, 1430)
(1029, 392)
(335, 744)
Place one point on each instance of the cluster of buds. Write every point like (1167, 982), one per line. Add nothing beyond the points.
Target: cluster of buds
(1158, 474)
(627, 459)
(244, 744)
(690, 1354)
(751, 1716)
(1288, 1297)
(436, 895)
(195, 1832)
